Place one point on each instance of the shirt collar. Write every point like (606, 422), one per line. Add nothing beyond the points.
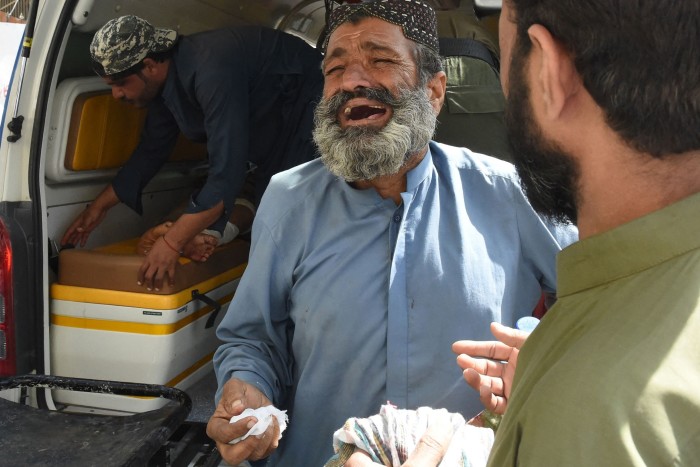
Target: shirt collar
(420, 172)
(414, 178)
(171, 79)
(630, 248)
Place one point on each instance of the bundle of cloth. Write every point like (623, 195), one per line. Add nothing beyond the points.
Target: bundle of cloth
(390, 436)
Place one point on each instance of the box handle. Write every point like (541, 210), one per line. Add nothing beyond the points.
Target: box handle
(212, 303)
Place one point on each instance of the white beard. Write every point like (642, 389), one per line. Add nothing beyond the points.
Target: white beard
(365, 153)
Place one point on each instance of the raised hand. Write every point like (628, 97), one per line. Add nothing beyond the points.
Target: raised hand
(489, 366)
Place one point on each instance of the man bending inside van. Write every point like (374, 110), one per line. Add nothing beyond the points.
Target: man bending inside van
(231, 88)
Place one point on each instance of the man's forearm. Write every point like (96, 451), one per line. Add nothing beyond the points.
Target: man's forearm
(106, 200)
(189, 225)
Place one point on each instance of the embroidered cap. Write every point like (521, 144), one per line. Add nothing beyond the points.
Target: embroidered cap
(416, 18)
(125, 41)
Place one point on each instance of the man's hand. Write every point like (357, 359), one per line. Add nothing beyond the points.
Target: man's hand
(433, 445)
(360, 458)
(166, 249)
(90, 218)
(159, 263)
(238, 396)
(83, 225)
(489, 366)
(197, 249)
(150, 236)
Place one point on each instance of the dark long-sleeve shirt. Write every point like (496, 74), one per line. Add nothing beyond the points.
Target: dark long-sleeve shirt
(249, 93)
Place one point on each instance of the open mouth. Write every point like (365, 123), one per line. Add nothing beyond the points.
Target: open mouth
(362, 112)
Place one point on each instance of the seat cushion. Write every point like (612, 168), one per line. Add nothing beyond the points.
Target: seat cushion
(115, 267)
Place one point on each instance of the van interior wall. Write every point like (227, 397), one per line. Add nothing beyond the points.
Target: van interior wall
(189, 16)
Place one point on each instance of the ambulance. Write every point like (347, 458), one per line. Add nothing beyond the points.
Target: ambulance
(78, 336)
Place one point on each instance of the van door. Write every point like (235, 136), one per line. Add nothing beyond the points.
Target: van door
(11, 35)
(20, 220)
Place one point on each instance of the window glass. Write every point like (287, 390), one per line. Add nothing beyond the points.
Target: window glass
(10, 42)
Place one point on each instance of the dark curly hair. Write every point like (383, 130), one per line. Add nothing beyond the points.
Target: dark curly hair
(639, 60)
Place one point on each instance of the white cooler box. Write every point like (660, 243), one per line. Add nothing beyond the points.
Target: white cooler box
(104, 326)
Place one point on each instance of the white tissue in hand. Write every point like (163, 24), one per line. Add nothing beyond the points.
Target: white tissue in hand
(264, 416)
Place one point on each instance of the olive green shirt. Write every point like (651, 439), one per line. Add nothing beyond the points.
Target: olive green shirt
(611, 376)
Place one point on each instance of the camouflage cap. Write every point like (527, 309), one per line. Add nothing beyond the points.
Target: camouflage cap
(416, 18)
(125, 41)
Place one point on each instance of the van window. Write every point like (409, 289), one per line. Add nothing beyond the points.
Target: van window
(11, 39)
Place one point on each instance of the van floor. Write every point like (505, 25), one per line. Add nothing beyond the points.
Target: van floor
(201, 450)
(202, 394)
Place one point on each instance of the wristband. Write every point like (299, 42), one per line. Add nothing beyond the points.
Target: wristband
(231, 231)
(170, 246)
(213, 233)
